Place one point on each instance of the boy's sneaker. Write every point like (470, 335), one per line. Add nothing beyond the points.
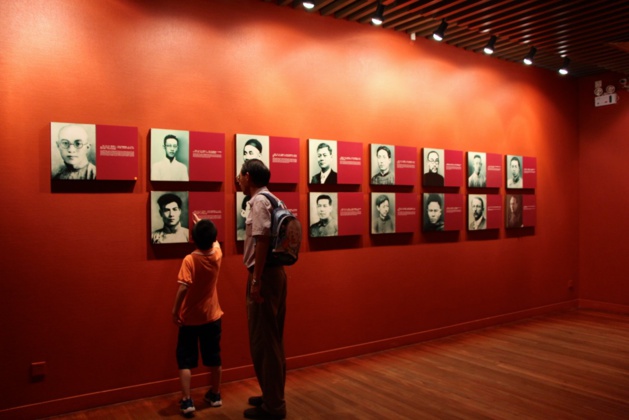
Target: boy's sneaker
(213, 399)
(187, 407)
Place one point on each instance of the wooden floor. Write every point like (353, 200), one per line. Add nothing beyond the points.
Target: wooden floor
(572, 365)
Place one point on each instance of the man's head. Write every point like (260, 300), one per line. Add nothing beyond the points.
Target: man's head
(514, 204)
(204, 234)
(478, 207)
(73, 146)
(253, 174)
(382, 204)
(324, 156)
(515, 168)
(434, 208)
(383, 158)
(171, 145)
(252, 150)
(170, 209)
(478, 164)
(324, 206)
(433, 162)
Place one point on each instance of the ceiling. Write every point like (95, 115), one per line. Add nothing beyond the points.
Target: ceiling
(593, 34)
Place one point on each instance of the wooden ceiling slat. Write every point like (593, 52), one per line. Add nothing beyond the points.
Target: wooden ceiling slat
(583, 29)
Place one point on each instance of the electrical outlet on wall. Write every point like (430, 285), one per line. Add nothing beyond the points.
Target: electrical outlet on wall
(38, 369)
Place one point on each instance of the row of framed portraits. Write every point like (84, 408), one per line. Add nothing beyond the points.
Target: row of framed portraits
(104, 152)
(342, 213)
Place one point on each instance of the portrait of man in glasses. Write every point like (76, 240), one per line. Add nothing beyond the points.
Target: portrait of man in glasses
(432, 171)
(72, 151)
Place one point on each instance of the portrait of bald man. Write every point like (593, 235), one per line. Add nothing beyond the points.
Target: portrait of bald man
(72, 151)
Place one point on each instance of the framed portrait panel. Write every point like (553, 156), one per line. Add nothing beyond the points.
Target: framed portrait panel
(334, 162)
(279, 154)
(442, 212)
(335, 214)
(77, 150)
(442, 168)
(521, 172)
(484, 211)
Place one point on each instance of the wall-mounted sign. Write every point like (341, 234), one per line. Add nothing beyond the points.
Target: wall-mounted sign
(279, 154)
(335, 214)
(333, 162)
(93, 152)
(442, 212)
(442, 168)
(521, 172)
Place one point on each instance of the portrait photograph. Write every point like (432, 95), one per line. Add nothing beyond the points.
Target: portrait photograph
(513, 204)
(169, 217)
(382, 213)
(514, 172)
(476, 170)
(477, 211)
(434, 212)
(169, 155)
(250, 146)
(382, 164)
(433, 173)
(322, 161)
(72, 151)
(242, 210)
(323, 215)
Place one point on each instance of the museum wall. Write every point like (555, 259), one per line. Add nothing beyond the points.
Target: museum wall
(603, 197)
(85, 292)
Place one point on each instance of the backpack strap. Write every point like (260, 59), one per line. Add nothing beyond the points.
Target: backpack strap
(275, 203)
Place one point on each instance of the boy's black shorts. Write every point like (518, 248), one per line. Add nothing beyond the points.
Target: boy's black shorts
(191, 337)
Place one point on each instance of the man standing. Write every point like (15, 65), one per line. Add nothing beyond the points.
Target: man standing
(515, 181)
(477, 180)
(266, 297)
(324, 159)
(384, 175)
(73, 147)
(170, 210)
(432, 178)
(478, 209)
(169, 169)
(326, 226)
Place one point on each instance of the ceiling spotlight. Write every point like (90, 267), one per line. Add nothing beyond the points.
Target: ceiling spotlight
(489, 48)
(378, 17)
(440, 33)
(564, 69)
(309, 4)
(528, 60)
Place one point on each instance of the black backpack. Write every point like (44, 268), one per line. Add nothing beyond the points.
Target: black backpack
(285, 234)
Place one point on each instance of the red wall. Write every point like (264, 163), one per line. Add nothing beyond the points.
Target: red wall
(84, 291)
(604, 196)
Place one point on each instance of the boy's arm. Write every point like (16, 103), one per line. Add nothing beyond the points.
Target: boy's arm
(181, 293)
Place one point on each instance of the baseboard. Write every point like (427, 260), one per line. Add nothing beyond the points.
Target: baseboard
(393, 342)
(114, 396)
(603, 306)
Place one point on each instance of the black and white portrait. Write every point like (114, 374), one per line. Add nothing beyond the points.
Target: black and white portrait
(322, 162)
(169, 155)
(382, 164)
(73, 151)
(433, 168)
(251, 147)
(382, 213)
(323, 215)
(169, 217)
(476, 170)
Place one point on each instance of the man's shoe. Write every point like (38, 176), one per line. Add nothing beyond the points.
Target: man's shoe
(260, 413)
(213, 399)
(187, 407)
(256, 401)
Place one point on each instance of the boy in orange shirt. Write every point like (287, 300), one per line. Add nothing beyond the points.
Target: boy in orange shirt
(197, 313)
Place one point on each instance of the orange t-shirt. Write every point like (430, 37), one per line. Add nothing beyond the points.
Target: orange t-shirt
(199, 272)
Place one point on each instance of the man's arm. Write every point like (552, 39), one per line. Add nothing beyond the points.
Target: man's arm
(262, 248)
(181, 293)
